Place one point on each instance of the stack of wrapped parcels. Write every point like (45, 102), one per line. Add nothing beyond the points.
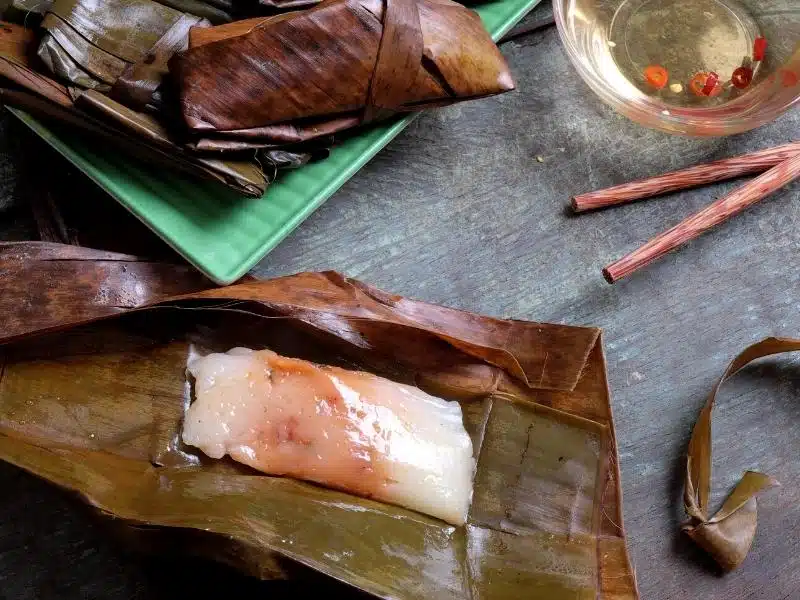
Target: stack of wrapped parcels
(235, 90)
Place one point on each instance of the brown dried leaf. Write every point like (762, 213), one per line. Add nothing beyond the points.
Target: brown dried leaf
(47, 286)
(244, 80)
(728, 535)
(96, 408)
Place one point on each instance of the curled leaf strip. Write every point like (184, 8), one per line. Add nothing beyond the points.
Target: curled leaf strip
(728, 535)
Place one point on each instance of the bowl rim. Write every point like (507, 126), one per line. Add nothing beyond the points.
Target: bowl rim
(710, 121)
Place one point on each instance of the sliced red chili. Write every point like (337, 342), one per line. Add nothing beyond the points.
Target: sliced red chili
(760, 48)
(700, 82)
(742, 77)
(657, 76)
(711, 84)
(697, 83)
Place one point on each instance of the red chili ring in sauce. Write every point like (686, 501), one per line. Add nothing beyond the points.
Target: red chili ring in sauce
(742, 77)
(657, 76)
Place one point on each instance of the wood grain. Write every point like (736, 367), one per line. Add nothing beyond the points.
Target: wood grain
(695, 176)
(715, 213)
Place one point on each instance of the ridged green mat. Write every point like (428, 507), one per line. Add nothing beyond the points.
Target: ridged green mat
(221, 233)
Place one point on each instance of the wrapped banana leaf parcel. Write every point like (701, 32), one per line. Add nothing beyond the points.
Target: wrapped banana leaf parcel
(149, 136)
(143, 135)
(407, 449)
(338, 65)
(269, 92)
(120, 47)
(216, 11)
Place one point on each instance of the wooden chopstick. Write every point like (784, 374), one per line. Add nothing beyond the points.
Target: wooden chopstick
(714, 214)
(729, 168)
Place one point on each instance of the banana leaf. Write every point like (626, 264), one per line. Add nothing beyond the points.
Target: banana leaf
(132, 132)
(215, 11)
(339, 64)
(16, 41)
(286, 159)
(120, 47)
(25, 12)
(728, 534)
(142, 136)
(93, 402)
(59, 62)
(319, 145)
(260, 173)
(244, 177)
(43, 274)
(281, 5)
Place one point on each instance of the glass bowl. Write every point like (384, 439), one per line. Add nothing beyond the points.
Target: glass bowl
(696, 67)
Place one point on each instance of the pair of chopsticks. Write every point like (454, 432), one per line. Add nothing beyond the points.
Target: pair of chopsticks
(779, 166)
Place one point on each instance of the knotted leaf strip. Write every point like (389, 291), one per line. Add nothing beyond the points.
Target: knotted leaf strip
(728, 535)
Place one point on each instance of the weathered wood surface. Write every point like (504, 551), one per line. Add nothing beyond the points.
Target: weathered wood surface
(459, 211)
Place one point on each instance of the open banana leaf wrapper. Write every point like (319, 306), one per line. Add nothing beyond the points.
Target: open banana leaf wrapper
(94, 388)
(728, 534)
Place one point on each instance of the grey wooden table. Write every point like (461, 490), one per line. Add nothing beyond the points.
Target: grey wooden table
(459, 211)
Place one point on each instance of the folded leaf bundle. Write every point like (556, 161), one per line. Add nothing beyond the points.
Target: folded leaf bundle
(245, 177)
(251, 176)
(94, 398)
(119, 47)
(340, 64)
(136, 133)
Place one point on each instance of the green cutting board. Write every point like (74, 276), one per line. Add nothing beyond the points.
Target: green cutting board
(220, 232)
